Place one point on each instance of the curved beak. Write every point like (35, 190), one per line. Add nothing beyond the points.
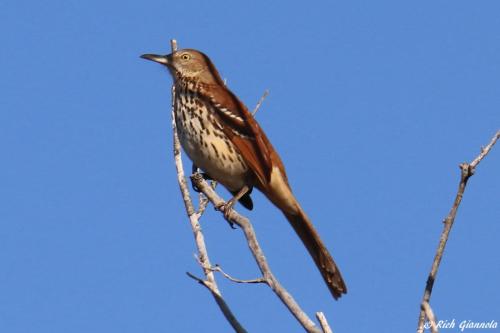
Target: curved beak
(162, 59)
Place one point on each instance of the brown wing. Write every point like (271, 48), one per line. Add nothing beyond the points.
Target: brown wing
(242, 129)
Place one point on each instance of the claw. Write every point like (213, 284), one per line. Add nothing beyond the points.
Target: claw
(226, 208)
(195, 188)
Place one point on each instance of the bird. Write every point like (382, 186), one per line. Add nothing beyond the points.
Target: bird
(222, 138)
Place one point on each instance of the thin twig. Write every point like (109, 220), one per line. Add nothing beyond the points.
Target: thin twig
(202, 204)
(217, 268)
(323, 322)
(430, 316)
(259, 103)
(193, 216)
(203, 201)
(199, 280)
(485, 150)
(173, 45)
(259, 256)
(467, 170)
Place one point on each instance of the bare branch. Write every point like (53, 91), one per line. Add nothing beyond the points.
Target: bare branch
(259, 103)
(203, 201)
(173, 45)
(485, 150)
(467, 170)
(202, 204)
(197, 279)
(430, 315)
(258, 255)
(193, 216)
(323, 322)
(217, 268)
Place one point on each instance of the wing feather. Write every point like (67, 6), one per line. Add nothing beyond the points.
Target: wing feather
(242, 129)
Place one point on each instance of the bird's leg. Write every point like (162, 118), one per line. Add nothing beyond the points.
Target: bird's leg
(195, 169)
(228, 206)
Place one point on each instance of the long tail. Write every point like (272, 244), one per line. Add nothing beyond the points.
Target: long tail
(318, 251)
(279, 192)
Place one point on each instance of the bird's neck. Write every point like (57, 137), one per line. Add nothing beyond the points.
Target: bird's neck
(194, 84)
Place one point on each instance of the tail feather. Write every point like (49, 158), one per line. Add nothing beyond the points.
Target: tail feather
(318, 251)
(279, 192)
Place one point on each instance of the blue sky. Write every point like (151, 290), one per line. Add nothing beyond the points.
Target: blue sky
(372, 106)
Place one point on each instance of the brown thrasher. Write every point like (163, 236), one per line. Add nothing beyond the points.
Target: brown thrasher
(223, 138)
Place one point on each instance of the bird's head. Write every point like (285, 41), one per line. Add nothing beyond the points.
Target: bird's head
(189, 64)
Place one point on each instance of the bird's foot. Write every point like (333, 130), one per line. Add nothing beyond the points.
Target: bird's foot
(227, 208)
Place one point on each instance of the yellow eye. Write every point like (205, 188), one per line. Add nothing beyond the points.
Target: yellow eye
(185, 56)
